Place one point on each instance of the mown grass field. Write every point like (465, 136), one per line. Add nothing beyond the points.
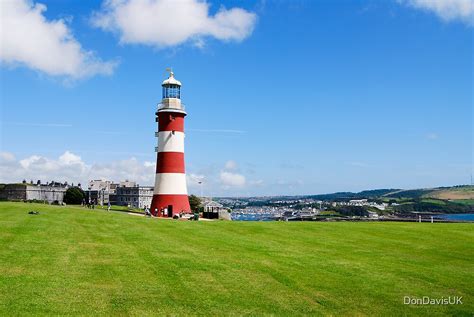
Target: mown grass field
(69, 260)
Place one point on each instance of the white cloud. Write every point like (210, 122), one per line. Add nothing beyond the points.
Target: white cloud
(6, 157)
(132, 169)
(230, 165)
(229, 176)
(70, 167)
(447, 10)
(29, 39)
(165, 23)
(232, 179)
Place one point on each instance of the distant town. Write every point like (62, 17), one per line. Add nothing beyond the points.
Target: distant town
(380, 204)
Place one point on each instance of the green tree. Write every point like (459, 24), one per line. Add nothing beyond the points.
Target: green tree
(74, 196)
(195, 203)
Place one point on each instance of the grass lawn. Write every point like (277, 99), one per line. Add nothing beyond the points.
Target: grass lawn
(70, 260)
(120, 208)
(433, 201)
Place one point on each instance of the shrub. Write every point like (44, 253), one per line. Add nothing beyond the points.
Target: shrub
(74, 196)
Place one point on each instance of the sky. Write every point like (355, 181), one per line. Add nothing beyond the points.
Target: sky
(283, 97)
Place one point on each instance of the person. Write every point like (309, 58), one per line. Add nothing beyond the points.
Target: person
(108, 206)
(147, 211)
(166, 212)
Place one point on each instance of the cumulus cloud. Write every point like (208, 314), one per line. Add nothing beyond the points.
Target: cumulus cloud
(132, 169)
(70, 167)
(29, 39)
(229, 176)
(447, 10)
(165, 23)
(232, 179)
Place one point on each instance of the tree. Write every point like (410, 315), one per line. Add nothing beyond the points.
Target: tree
(195, 203)
(74, 196)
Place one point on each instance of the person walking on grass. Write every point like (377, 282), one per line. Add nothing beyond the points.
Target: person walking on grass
(108, 206)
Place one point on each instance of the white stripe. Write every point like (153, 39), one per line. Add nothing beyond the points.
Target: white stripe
(170, 184)
(169, 142)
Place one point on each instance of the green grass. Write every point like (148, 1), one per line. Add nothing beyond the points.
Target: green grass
(120, 208)
(469, 202)
(70, 260)
(434, 201)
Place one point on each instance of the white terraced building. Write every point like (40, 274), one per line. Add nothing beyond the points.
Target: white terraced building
(134, 196)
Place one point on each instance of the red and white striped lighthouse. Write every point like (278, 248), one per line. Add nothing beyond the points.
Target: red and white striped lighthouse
(170, 195)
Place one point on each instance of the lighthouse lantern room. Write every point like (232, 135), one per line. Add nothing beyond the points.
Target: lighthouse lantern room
(170, 196)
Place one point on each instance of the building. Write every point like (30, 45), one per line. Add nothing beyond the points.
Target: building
(51, 193)
(134, 196)
(102, 191)
(211, 209)
(170, 196)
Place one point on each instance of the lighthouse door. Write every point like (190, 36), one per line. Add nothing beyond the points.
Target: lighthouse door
(170, 210)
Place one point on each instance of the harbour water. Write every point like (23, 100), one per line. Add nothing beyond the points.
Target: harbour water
(270, 217)
(252, 216)
(460, 217)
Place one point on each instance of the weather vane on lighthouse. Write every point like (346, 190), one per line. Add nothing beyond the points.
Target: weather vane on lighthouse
(170, 196)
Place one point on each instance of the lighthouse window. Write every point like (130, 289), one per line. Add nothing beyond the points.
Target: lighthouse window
(171, 91)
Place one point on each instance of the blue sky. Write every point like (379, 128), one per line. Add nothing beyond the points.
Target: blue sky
(282, 97)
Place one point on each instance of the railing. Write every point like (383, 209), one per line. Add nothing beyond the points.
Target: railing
(162, 106)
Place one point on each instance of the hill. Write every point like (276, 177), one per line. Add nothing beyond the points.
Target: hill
(462, 192)
(453, 193)
(68, 260)
(368, 194)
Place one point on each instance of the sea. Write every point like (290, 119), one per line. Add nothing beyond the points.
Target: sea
(460, 217)
(252, 216)
(270, 217)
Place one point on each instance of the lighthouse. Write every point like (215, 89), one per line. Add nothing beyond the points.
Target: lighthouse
(170, 195)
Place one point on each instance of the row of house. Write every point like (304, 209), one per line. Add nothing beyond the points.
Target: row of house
(52, 192)
(361, 202)
(125, 193)
(100, 192)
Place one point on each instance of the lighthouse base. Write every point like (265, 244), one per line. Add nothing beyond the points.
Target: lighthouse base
(174, 204)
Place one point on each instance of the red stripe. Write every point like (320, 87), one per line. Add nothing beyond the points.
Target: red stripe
(170, 162)
(171, 121)
(179, 202)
